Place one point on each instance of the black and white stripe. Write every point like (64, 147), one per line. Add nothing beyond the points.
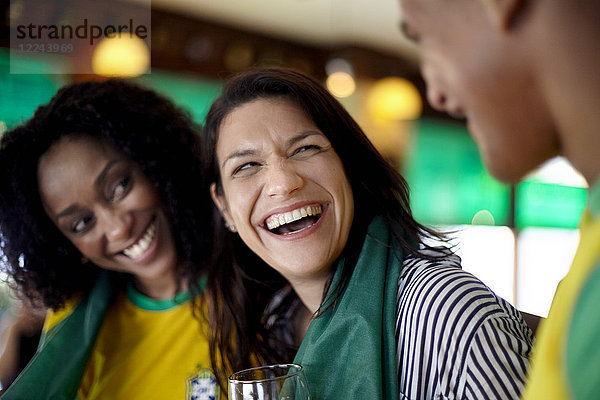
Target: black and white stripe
(455, 338)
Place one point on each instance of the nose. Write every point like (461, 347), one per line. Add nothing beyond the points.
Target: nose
(282, 180)
(435, 94)
(117, 225)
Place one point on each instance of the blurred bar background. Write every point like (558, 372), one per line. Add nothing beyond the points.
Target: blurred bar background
(518, 239)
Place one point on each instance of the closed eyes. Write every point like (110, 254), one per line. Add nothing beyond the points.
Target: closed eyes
(307, 150)
(244, 167)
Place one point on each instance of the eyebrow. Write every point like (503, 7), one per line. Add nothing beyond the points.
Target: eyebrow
(300, 137)
(290, 142)
(102, 175)
(97, 182)
(237, 154)
(67, 211)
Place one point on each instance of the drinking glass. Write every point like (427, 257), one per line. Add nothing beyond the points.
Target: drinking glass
(270, 382)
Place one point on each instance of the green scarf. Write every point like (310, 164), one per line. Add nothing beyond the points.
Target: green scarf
(349, 352)
(56, 370)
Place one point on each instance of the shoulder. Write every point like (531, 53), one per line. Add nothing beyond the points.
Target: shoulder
(582, 337)
(453, 329)
(439, 285)
(54, 317)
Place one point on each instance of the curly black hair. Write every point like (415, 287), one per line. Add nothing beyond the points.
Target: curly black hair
(146, 127)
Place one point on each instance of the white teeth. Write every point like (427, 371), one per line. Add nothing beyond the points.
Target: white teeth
(137, 249)
(296, 215)
(275, 221)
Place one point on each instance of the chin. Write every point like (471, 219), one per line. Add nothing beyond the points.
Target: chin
(507, 171)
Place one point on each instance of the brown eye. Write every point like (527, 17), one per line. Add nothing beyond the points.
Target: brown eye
(121, 189)
(83, 224)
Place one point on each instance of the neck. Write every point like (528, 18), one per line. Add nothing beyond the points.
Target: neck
(310, 292)
(159, 288)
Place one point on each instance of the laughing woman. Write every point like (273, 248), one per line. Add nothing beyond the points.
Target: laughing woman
(103, 219)
(375, 311)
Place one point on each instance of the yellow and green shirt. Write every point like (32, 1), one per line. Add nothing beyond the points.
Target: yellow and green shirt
(147, 349)
(566, 360)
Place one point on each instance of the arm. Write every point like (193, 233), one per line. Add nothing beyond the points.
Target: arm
(9, 348)
(23, 321)
(497, 360)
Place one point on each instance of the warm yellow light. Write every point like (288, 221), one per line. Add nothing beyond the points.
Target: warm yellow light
(122, 54)
(341, 84)
(394, 99)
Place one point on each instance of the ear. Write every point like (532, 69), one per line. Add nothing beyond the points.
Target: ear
(503, 13)
(221, 204)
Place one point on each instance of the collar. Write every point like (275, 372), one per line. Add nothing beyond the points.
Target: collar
(150, 304)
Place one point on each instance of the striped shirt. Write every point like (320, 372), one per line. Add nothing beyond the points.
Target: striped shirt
(455, 338)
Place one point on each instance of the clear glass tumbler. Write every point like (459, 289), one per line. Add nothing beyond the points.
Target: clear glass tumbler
(270, 382)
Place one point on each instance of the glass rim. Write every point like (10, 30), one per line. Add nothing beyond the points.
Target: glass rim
(299, 367)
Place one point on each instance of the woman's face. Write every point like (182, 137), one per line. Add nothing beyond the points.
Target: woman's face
(104, 204)
(284, 188)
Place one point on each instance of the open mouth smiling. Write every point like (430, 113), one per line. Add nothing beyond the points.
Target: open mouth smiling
(138, 248)
(294, 221)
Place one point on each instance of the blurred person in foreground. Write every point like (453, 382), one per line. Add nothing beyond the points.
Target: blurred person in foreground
(525, 76)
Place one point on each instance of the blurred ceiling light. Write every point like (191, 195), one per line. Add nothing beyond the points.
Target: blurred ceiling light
(3, 127)
(394, 98)
(341, 84)
(123, 55)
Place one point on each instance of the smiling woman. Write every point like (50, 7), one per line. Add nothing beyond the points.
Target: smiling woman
(366, 306)
(105, 205)
(101, 224)
(263, 144)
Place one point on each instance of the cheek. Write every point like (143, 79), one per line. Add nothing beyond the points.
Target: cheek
(240, 201)
(89, 247)
(342, 191)
(148, 195)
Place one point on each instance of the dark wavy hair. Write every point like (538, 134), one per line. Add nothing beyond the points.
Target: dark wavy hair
(377, 187)
(146, 127)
